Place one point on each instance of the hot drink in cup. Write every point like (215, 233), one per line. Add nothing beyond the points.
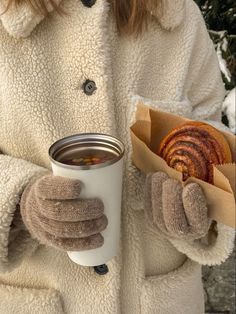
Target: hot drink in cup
(97, 161)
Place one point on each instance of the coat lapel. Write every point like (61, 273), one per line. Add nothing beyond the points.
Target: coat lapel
(170, 14)
(20, 21)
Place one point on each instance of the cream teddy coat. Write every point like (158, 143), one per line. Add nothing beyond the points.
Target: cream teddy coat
(43, 65)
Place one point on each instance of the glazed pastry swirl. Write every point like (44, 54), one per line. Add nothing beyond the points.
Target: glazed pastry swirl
(193, 149)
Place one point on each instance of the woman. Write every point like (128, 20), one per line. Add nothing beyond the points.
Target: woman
(75, 71)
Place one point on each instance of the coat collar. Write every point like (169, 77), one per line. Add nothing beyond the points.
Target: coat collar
(170, 14)
(21, 21)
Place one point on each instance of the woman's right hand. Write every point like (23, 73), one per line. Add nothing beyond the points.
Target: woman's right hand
(54, 213)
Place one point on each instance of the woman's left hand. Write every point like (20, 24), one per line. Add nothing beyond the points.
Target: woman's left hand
(176, 211)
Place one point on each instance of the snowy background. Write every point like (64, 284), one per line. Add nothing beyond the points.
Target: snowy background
(220, 17)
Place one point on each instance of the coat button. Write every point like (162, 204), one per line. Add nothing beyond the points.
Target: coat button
(101, 269)
(89, 87)
(88, 3)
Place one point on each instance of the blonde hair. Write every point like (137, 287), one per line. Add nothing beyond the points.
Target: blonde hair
(131, 15)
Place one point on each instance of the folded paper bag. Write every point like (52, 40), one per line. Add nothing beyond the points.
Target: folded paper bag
(150, 128)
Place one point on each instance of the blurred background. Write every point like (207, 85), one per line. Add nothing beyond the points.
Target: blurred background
(220, 18)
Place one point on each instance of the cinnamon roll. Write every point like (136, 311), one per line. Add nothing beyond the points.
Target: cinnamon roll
(193, 148)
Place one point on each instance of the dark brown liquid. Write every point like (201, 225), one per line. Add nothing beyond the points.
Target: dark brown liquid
(88, 157)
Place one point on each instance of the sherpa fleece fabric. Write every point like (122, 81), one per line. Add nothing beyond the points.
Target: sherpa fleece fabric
(43, 65)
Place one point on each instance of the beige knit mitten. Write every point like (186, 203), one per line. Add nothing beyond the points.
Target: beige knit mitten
(54, 213)
(176, 211)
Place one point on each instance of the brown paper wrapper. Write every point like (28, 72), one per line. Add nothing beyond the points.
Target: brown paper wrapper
(146, 134)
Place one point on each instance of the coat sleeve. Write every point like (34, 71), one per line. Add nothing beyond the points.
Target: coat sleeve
(205, 91)
(15, 241)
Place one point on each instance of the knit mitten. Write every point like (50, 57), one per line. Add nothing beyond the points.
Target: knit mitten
(175, 211)
(54, 213)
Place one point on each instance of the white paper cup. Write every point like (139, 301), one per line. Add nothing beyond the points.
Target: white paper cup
(102, 180)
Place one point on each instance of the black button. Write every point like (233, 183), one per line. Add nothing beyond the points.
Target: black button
(89, 87)
(101, 269)
(88, 3)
